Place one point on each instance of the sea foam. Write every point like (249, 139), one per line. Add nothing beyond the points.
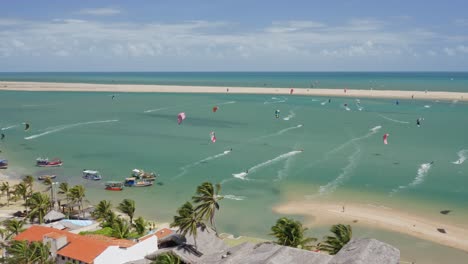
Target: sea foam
(68, 126)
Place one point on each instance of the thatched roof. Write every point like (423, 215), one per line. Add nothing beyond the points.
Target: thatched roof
(366, 251)
(53, 216)
(268, 253)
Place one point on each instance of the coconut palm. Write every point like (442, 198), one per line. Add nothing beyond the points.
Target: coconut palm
(167, 258)
(76, 195)
(140, 225)
(127, 206)
(24, 252)
(187, 221)
(13, 227)
(29, 181)
(109, 219)
(39, 203)
(102, 209)
(291, 233)
(5, 188)
(63, 188)
(22, 191)
(342, 234)
(121, 228)
(207, 199)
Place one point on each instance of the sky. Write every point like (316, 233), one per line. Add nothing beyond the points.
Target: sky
(236, 35)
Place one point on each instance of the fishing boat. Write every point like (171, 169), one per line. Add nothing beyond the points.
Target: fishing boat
(134, 182)
(40, 162)
(92, 175)
(44, 177)
(114, 186)
(3, 164)
(142, 175)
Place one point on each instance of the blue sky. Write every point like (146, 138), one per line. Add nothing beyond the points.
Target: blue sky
(221, 35)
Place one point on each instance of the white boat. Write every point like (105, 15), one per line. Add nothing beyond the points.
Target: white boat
(92, 175)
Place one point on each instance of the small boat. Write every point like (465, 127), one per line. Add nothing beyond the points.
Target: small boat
(3, 164)
(44, 177)
(114, 186)
(40, 162)
(142, 175)
(133, 182)
(92, 175)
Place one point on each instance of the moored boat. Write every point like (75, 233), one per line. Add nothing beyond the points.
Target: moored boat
(114, 186)
(92, 175)
(3, 164)
(133, 182)
(142, 175)
(44, 177)
(40, 162)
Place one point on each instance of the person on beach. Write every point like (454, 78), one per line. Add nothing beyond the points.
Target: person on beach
(345, 89)
(3, 136)
(343, 209)
(329, 100)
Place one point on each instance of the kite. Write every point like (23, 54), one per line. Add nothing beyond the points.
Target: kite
(215, 109)
(26, 126)
(385, 138)
(180, 118)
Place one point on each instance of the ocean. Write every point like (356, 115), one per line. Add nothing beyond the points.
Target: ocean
(316, 149)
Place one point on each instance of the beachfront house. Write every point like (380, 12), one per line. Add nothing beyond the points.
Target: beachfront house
(66, 247)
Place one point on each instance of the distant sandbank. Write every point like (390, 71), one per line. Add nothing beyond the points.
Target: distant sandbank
(322, 213)
(120, 88)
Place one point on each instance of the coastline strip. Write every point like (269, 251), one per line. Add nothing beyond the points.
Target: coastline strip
(351, 93)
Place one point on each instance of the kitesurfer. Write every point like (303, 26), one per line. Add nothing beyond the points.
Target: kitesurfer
(3, 136)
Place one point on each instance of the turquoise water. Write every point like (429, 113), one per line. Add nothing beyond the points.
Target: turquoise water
(445, 81)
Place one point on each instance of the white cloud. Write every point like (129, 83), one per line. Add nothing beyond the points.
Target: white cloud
(105, 11)
(431, 53)
(449, 51)
(462, 48)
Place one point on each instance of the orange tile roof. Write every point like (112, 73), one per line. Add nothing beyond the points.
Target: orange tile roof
(113, 241)
(54, 235)
(163, 233)
(82, 248)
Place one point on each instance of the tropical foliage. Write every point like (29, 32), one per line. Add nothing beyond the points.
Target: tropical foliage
(167, 258)
(39, 204)
(291, 233)
(102, 210)
(121, 228)
(12, 228)
(140, 226)
(207, 198)
(187, 221)
(23, 252)
(342, 234)
(127, 206)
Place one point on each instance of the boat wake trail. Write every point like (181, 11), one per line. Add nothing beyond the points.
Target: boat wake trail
(284, 171)
(9, 127)
(394, 120)
(462, 155)
(68, 126)
(186, 167)
(344, 175)
(420, 176)
(234, 197)
(371, 132)
(243, 175)
(155, 110)
(282, 131)
(226, 103)
(290, 116)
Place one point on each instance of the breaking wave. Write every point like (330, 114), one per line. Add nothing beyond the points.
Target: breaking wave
(461, 156)
(423, 170)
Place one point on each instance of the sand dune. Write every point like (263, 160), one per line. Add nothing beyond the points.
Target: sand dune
(321, 213)
(86, 87)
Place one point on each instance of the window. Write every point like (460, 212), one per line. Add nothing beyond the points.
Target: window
(63, 258)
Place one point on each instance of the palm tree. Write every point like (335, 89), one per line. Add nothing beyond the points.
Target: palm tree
(207, 199)
(21, 190)
(29, 181)
(103, 208)
(140, 225)
(127, 206)
(63, 188)
(167, 258)
(121, 228)
(342, 234)
(39, 203)
(109, 219)
(13, 227)
(76, 195)
(187, 221)
(291, 233)
(5, 188)
(23, 252)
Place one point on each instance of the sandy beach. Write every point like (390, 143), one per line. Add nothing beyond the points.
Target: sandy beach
(120, 88)
(322, 213)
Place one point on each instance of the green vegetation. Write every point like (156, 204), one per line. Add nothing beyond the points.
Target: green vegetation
(289, 232)
(20, 252)
(207, 201)
(127, 206)
(342, 234)
(106, 231)
(167, 258)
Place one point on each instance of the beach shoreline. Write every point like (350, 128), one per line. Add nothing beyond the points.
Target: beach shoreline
(144, 88)
(385, 218)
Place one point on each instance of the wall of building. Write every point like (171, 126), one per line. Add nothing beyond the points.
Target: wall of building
(116, 255)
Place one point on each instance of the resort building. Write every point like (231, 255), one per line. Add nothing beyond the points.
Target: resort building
(89, 249)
